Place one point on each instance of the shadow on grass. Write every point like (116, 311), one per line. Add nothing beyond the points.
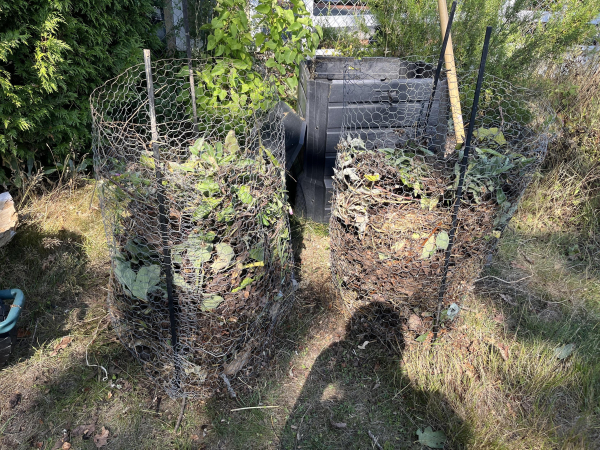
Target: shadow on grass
(356, 395)
(53, 272)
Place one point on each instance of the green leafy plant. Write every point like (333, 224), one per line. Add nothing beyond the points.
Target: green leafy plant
(286, 37)
(224, 179)
(52, 55)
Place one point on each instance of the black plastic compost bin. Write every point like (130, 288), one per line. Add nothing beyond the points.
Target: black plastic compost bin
(391, 85)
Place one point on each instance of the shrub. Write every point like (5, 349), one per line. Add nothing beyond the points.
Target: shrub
(52, 55)
(285, 37)
(520, 43)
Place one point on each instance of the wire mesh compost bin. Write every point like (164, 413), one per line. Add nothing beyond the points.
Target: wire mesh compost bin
(194, 208)
(395, 188)
(396, 87)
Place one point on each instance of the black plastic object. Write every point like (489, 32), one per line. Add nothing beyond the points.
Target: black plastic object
(321, 102)
(8, 339)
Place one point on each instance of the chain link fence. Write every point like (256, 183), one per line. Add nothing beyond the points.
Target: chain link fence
(194, 206)
(396, 179)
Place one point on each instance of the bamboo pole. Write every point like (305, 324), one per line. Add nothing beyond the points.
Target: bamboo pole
(459, 129)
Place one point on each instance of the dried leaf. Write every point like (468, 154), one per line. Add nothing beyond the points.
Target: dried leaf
(564, 351)
(430, 438)
(236, 365)
(414, 323)
(62, 344)
(503, 349)
(101, 439)
(66, 446)
(23, 333)
(85, 431)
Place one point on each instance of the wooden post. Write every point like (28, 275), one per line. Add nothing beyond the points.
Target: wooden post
(188, 48)
(160, 197)
(459, 129)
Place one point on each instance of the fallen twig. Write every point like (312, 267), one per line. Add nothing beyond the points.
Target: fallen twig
(254, 407)
(180, 415)
(375, 440)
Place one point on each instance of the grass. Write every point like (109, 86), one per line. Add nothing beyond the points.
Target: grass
(492, 382)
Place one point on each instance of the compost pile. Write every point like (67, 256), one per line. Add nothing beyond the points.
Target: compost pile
(392, 210)
(224, 238)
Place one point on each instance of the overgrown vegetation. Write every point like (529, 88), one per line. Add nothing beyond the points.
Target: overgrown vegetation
(520, 43)
(52, 55)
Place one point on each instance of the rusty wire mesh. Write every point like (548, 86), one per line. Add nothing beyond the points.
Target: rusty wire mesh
(225, 241)
(396, 177)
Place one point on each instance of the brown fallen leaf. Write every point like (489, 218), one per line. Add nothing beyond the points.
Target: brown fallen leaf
(64, 342)
(66, 446)
(415, 323)
(23, 333)
(39, 445)
(503, 349)
(101, 439)
(85, 431)
(236, 365)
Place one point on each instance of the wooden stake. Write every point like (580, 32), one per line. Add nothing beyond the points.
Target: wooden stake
(459, 129)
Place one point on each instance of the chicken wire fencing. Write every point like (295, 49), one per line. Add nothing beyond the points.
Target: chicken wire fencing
(194, 208)
(396, 178)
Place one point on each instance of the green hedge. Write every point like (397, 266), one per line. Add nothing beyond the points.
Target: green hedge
(53, 53)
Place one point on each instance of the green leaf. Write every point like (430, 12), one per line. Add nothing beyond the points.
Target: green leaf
(263, 9)
(257, 253)
(208, 186)
(226, 214)
(288, 14)
(211, 303)
(500, 196)
(198, 251)
(147, 160)
(245, 282)
(372, 178)
(259, 38)
(231, 143)
(422, 338)
(124, 274)
(442, 240)
(432, 439)
(147, 277)
(244, 195)
(564, 351)
(225, 254)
